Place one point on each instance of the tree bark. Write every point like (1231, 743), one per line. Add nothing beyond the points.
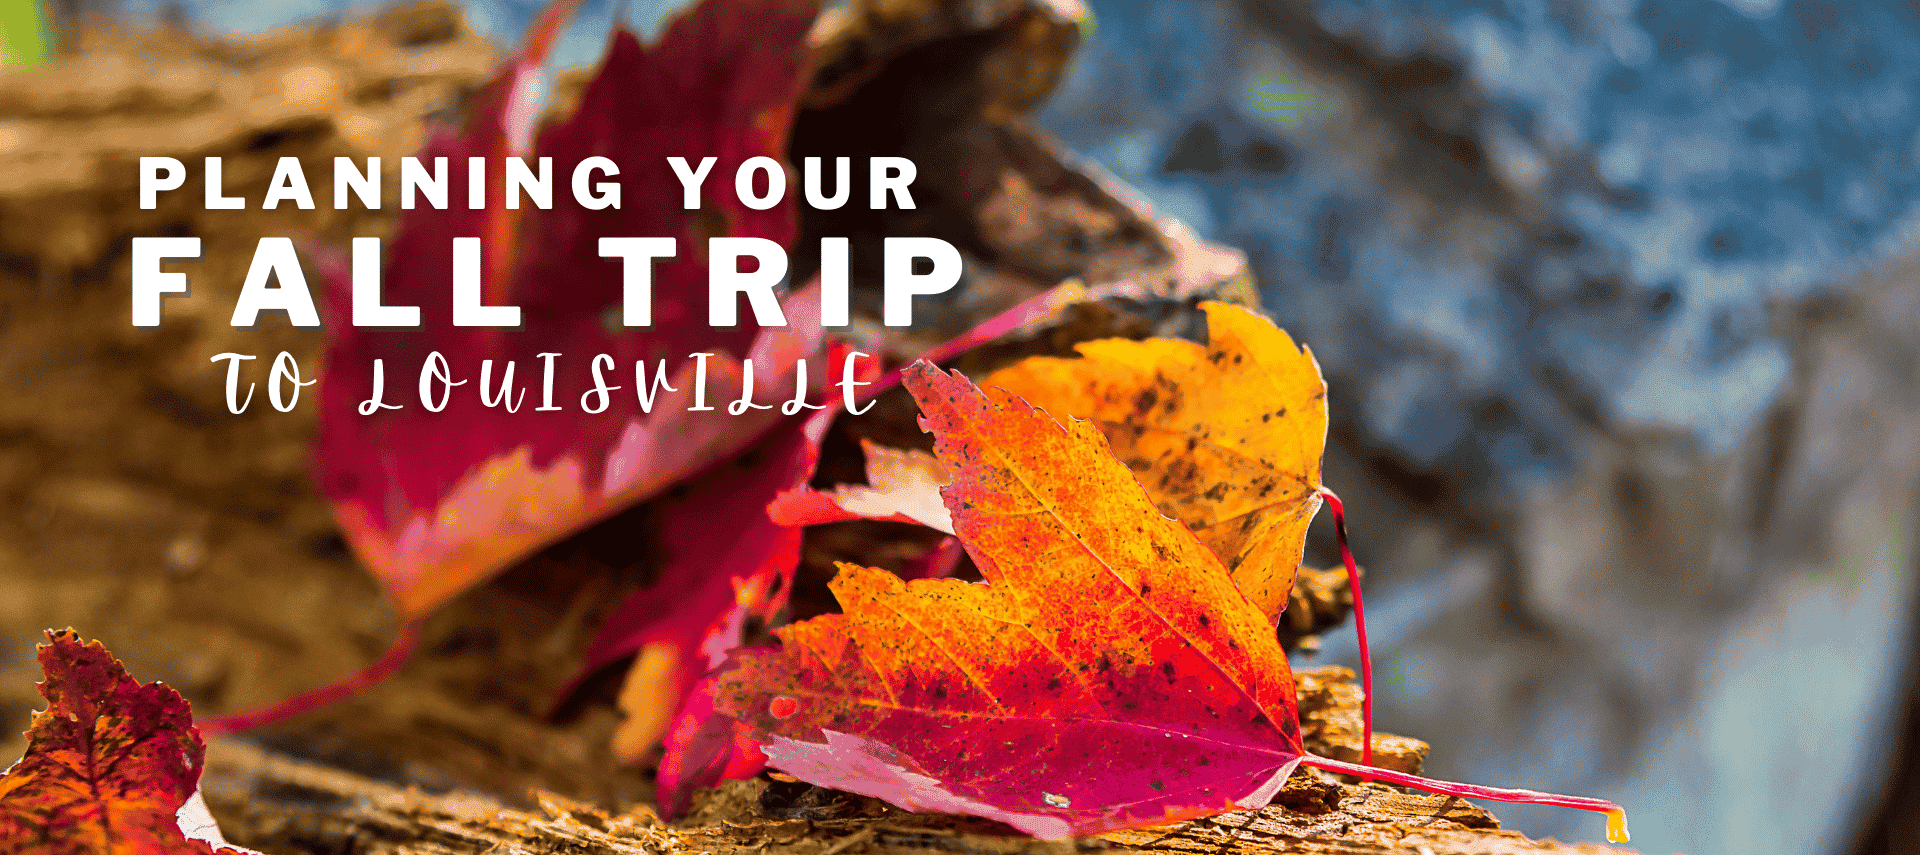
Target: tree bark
(284, 806)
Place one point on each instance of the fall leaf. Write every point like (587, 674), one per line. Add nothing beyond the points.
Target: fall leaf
(1108, 674)
(724, 561)
(1227, 437)
(435, 502)
(109, 763)
(703, 749)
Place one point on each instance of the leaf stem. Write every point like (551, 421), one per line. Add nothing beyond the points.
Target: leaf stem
(1359, 626)
(397, 655)
(1616, 815)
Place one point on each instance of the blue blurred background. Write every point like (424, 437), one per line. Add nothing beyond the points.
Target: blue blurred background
(1617, 303)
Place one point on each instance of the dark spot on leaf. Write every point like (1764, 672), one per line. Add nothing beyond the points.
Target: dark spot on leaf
(1144, 404)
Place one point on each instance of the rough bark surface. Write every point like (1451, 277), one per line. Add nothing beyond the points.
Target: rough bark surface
(281, 805)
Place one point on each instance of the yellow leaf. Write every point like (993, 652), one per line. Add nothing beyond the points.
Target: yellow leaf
(1226, 437)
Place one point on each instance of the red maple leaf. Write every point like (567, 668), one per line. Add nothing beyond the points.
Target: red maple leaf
(435, 502)
(1109, 674)
(108, 766)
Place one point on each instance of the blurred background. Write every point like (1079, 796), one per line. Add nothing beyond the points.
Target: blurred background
(1619, 306)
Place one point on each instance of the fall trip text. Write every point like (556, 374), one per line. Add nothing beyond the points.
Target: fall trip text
(912, 266)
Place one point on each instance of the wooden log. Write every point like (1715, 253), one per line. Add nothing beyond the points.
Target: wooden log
(281, 805)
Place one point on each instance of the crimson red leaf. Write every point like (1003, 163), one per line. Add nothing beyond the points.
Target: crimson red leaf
(722, 559)
(109, 763)
(720, 537)
(434, 502)
(725, 560)
(704, 748)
